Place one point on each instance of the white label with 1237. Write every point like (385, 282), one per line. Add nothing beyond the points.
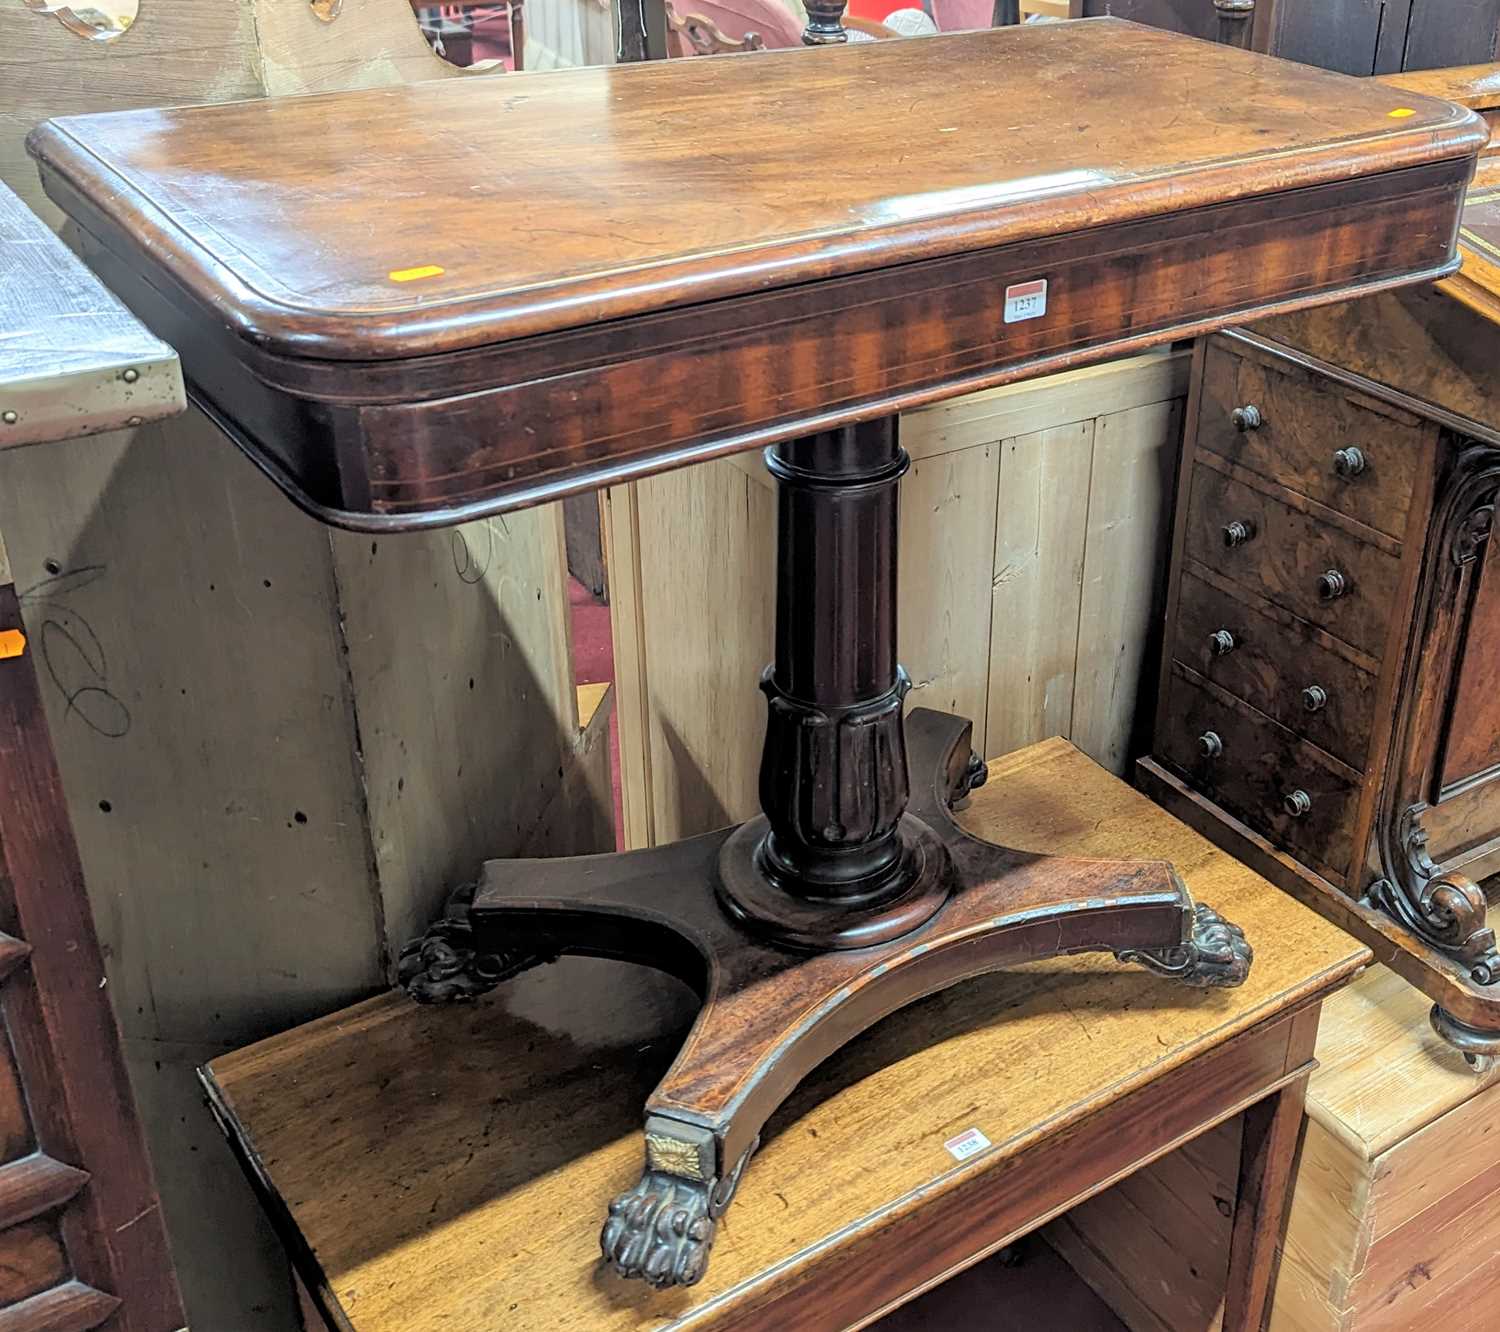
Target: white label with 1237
(1025, 300)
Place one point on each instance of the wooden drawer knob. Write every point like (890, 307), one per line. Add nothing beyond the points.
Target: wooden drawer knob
(1209, 744)
(1238, 532)
(1332, 585)
(1314, 698)
(1246, 418)
(1221, 642)
(1296, 803)
(1350, 461)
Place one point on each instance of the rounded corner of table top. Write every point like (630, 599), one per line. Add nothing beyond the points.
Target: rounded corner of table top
(636, 203)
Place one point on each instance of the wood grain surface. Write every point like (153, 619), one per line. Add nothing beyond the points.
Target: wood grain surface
(1392, 1223)
(1294, 542)
(1476, 86)
(665, 297)
(1264, 672)
(1259, 765)
(620, 195)
(1431, 343)
(1298, 413)
(450, 1173)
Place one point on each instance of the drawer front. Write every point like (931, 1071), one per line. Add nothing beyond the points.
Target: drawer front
(1355, 455)
(1276, 668)
(1258, 767)
(1286, 555)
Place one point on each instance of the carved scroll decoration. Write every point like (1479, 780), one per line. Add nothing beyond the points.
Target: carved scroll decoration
(1444, 908)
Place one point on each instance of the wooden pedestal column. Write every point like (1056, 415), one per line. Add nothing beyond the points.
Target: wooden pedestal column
(854, 894)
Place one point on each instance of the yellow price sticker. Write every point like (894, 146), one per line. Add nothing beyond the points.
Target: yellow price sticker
(415, 274)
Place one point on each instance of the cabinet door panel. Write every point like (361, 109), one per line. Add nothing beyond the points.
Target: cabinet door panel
(1451, 32)
(1336, 34)
(1472, 742)
(1194, 17)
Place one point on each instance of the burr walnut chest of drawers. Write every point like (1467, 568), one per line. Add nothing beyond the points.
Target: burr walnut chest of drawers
(1329, 702)
(1330, 693)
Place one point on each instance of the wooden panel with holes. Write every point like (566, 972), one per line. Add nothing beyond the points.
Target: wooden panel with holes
(376, 669)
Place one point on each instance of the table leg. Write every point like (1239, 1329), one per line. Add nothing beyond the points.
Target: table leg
(1268, 1158)
(856, 892)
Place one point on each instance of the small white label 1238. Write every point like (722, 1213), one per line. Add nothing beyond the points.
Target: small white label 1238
(962, 1147)
(1026, 300)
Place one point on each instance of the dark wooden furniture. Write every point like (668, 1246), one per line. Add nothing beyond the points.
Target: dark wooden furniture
(1242, 23)
(1330, 704)
(1385, 36)
(82, 1243)
(1351, 36)
(663, 298)
(411, 1204)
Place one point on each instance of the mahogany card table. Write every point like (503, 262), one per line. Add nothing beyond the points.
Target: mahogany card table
(423, 304)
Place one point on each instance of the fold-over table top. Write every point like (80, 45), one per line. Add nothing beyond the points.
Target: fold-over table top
(436, 215)
(420, 303)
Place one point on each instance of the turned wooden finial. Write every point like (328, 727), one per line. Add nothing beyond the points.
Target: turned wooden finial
(1235, 22)
(825, 23)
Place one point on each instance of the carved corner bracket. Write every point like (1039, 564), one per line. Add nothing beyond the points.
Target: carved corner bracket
(1440, 906)
(1443, 908)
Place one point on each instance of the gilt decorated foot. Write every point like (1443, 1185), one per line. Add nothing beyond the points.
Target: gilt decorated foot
(1216, 956)
(661, 1231)
(448, 964)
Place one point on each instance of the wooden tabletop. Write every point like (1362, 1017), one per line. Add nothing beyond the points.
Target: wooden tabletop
(1474, 86)
(446, 1166)
(418, 305)
(73, 360)
(427, 217)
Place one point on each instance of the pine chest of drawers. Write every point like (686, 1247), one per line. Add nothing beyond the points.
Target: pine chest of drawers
(1329, 703)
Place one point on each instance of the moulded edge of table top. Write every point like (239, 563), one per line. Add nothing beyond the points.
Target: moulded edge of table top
(115, 188)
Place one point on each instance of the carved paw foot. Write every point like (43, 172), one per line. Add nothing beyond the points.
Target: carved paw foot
(446, 966)
(661, 1231)
(977, 773)
(974, 775)
(1216, 956)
